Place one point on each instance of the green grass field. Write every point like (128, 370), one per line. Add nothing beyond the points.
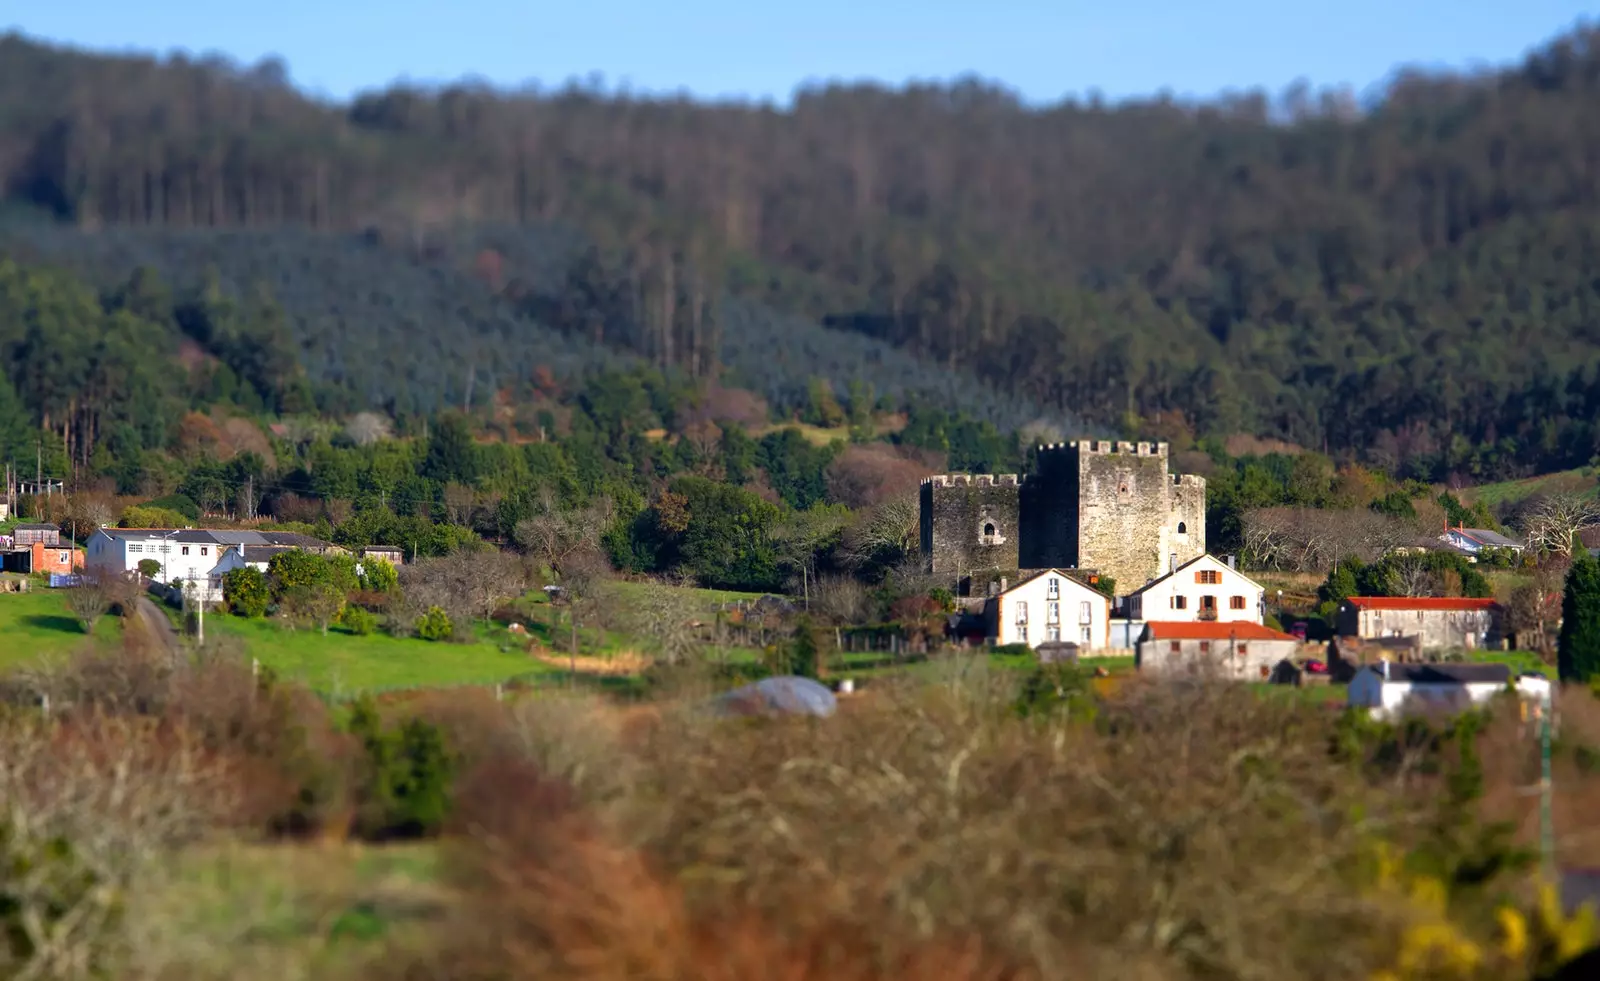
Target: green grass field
(1580, 481)
(37, 625)
(340, 664)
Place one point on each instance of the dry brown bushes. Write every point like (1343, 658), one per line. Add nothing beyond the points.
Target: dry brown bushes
(928, 833)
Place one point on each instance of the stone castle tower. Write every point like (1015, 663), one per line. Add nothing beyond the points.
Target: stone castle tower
(1111, 507)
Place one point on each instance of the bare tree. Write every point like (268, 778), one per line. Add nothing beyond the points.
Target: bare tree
(460, 504)
(88, 602)
(665, 617)
(886, 534)
(802, 535)
(584, 575)
(1553, 523)
(553, 535)
(87, 513)
(1313, 539)
(842, 599)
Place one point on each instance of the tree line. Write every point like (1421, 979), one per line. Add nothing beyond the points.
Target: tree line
(1412, 283)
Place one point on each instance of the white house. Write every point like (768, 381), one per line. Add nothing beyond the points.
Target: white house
(195, 558)
(1389, 689)
(1049, 606)
(1439, 622)
(1237, 650)
(1474, 540)
(1204, 589)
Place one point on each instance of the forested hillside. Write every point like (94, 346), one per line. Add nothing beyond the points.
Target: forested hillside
(1417, 284)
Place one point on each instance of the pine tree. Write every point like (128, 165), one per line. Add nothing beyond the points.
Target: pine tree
(1579, 658)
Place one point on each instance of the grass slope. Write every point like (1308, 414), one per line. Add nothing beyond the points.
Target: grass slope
(1580, 481)
(340, 664)
(37, 625)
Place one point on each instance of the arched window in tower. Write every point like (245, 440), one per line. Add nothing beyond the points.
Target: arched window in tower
(988, 533)
(1183, 529)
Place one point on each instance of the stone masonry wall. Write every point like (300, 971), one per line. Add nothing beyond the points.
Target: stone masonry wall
(970, 522)
(1050, 513)
(1125, 498)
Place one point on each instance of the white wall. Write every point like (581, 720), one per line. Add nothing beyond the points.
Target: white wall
(122, 554)
(1081, 615)
(1161, 599)
(1387, 699)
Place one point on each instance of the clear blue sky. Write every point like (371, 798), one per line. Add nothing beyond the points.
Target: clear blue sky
(765, 48)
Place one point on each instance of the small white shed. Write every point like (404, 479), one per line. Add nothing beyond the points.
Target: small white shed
(1389, 689)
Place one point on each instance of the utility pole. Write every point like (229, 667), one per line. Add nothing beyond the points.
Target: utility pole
(1547, 835)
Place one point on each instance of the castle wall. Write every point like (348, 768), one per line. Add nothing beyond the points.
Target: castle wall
(1187, 518)
(1050, 512)
(1125, 506)
(970, 522)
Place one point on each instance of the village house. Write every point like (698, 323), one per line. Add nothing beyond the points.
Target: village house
(38, 548)
(1471, 541)
(1049, 607)
(1238, 650)
(1388, 689)
(1441, 623)
(388, 553)
(1205, 589)
(194, 558)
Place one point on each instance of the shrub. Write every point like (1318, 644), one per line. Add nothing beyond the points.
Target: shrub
(136, 516)
(358, 621)
(246, 591)
(405, 790)
(378, 576)
(435, 624)
(176, 503)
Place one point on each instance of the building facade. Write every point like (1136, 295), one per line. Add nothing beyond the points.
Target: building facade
(1440, 623)
(194, 559)
(1111, 507)
(1049, 607)
(1388, 689)
(1237, 651)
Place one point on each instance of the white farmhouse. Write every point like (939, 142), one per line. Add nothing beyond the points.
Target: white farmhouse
(1049, 607)
(1237, 650)
(194, 558)
(1389, 689)
(1203, 590)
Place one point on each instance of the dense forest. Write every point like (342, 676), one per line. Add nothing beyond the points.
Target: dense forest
(1415, 283)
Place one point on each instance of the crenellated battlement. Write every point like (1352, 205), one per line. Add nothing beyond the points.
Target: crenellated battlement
(1111, 504)
(972, 480)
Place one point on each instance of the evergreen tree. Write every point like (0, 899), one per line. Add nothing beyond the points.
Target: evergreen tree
(1579, 658)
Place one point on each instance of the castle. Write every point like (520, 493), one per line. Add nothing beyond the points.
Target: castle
(1109, 507)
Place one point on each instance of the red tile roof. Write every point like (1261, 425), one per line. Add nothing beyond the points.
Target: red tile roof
(1419, 603)
(1213, 630)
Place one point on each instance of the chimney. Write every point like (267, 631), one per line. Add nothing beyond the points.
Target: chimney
(1231, 563)
(994, 588)
(1172, 562)
(1004, 584)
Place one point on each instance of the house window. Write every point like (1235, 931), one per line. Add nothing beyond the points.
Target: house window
(1022, 633)
(1175, 647)
(1022, 611)
(1265, 671)
(1085, 612)
(135, 548)
(204, 550)
(1086, 635)
(63, 558)
(1183, 529)
(988, 533)
(1236, 603)
(1242, 649)
(1208, 604)
(1205, 647)
(1208, 577)
(185, 550)
(1055, 588)
(1052, 612)
(1180, 602)
(1052, 633)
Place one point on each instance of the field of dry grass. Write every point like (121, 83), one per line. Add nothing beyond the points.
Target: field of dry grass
(955, 824)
